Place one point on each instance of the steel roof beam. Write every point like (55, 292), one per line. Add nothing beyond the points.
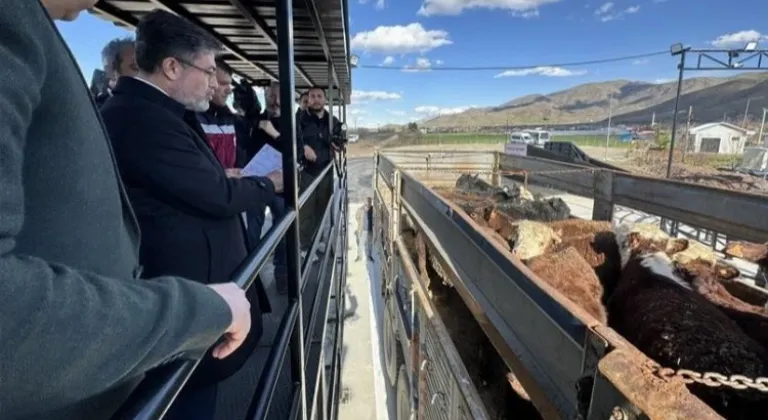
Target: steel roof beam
(261, 25)
(234, 49)
(315, 16)
(272, 58)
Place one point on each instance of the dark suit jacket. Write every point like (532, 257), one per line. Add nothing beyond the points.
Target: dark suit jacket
(77, 328)
(188, 210)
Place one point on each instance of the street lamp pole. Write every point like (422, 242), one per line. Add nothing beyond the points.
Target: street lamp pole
(676, 49)
(610, 115)
(762, 125)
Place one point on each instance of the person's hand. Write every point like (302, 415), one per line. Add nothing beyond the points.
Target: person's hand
(235, 335)
(234, 172)
(267, 127)
(309, 154)
(277, 179)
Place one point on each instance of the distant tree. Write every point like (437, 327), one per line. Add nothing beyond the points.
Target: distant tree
(413, 126)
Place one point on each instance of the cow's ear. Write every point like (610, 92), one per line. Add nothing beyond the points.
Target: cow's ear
(677, 245)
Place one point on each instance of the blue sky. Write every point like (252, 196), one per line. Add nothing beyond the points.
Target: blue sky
(425, 35)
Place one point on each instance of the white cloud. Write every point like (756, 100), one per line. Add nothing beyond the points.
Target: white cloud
(396, 112)
(439, 62)
(606, 12)
(431, 110)
(738, 39)
(527, 14)
(422, 64)
(388, 60)
(356, 111)
(360, 96)
(400, 39)
(542, 71)
(640, 61)
(379, 4)
(662, 81)
(455, 7)
(604, 8)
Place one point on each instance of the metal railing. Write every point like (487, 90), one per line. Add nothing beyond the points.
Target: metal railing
(155, 395)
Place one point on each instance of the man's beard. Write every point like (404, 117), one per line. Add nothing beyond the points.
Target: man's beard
(199, 106)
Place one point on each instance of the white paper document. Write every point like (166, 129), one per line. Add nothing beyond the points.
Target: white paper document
(267, 160)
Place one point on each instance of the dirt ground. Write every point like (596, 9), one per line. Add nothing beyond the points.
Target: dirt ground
(699, 169)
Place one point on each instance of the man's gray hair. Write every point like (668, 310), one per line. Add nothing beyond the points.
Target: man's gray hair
(111, 55)
(161, 35)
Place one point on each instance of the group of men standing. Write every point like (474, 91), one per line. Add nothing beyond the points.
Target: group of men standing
(121, 227)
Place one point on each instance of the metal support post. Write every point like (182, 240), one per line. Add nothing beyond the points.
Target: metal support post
(291, 193)
(394, 218)
(681, 68)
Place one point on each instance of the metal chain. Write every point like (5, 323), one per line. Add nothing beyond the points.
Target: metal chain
(711, 379)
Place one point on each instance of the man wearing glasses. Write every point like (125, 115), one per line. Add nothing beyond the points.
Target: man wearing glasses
(186, 205)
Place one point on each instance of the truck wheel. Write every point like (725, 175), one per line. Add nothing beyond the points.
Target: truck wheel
(403, 395)
(392, 355)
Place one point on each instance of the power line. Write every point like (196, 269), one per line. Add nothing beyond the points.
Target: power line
(526, 67)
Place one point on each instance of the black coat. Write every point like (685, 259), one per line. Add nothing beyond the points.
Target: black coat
(187, 208)
(315, 134)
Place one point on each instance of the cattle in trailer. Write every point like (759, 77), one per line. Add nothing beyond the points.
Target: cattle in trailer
(658, 311)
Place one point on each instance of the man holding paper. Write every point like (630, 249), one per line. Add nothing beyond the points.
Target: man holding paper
(186, 205)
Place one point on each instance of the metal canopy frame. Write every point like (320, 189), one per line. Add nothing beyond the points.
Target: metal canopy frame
(245, 29)
(248, 31)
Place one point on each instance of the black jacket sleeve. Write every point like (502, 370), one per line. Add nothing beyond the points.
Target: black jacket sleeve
(161, 156)
(68, 334)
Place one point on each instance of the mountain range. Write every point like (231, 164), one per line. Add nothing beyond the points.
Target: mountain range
(631, 102)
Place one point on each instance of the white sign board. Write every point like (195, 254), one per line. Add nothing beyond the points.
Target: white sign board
(517, 149)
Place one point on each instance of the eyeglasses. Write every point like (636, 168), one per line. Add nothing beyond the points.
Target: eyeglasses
(210, 72)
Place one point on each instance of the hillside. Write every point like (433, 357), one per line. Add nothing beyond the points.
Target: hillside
(633, 103)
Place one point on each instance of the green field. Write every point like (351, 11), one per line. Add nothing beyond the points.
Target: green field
(483, 138)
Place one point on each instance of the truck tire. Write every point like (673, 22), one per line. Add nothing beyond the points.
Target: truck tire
(403, 395)
(393, 357)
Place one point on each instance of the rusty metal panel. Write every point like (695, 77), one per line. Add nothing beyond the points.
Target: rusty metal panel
(575, 179)
(737, 214)
(625, 384)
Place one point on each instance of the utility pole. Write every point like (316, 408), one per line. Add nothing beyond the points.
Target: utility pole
(610, 114)
(746, 110)
(687, 132)
(762, 125)
(653, 119)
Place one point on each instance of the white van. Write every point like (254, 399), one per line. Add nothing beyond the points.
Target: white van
(539, 136)
(520, 137)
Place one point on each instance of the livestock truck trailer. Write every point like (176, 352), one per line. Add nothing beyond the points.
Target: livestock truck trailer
(498, 342)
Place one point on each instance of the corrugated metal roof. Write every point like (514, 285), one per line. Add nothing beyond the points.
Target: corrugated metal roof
(248, 30)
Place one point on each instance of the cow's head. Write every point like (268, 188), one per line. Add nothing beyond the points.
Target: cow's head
(660, 264)
(636, 239)
(530, 239)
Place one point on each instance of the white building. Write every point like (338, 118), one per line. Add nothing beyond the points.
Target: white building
(718, 137)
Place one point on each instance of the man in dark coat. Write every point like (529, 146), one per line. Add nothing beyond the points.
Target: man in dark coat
(318, 153)
(187, 206)
(119, 59)
(266, 132)
(78, 329)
